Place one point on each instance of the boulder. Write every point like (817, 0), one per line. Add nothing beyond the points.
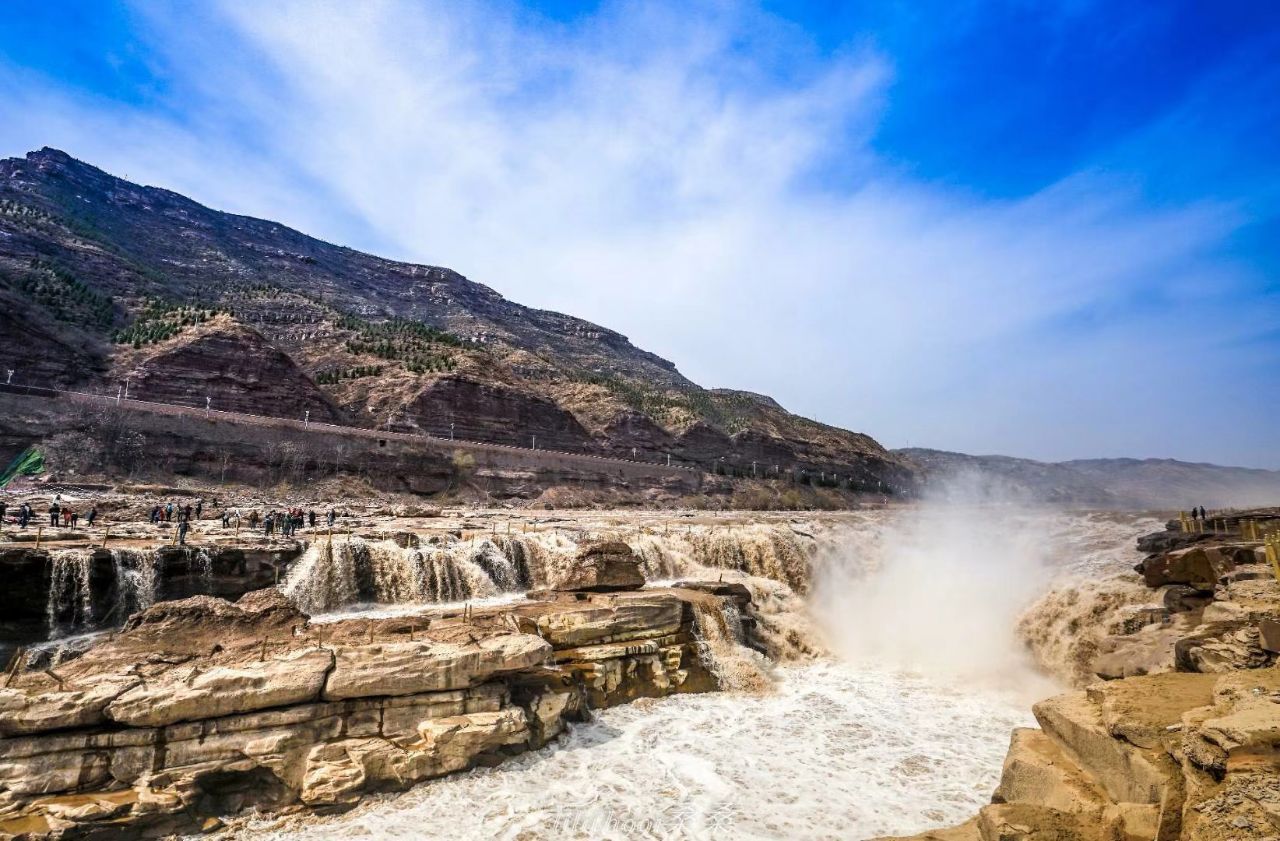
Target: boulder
(1166, 541)
(1198, 566)
(1182, 598)
(604, 567)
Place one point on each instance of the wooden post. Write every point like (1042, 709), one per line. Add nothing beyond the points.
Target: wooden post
(105, 537)
(39, 533)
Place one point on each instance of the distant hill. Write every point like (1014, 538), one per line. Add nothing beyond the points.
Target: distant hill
(103, 280)
(1110, 483)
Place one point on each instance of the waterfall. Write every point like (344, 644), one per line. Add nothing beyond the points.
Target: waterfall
(334, 575)
(204, 565)
(718, 627)
(135, 574)
(446, 569)
(764, 551)
(70, 594)
(325, 576)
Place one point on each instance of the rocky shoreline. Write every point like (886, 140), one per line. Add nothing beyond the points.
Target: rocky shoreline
(200, 708)
(1179, 737)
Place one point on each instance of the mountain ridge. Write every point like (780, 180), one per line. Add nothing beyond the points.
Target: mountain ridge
(101, 278)
(1152, 483)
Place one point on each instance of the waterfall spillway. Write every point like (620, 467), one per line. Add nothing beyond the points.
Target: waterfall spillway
(334, 574)
(89, 588)
(70, 599)
(344, 572)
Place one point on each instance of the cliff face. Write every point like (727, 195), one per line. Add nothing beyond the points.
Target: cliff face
(101, 277)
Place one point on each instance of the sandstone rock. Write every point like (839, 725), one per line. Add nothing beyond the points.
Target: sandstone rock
(1038, 771)
(1198, 566)
(1222, 647)
(410, 668)
(79, 706)
(604, 567)
(1030, 822)
(1182, 598)
(1269, 633)
(194, 692)
(1165, 541)
(632, 618)
(1127, 773)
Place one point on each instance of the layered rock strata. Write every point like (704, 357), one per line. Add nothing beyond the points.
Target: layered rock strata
(199, 708)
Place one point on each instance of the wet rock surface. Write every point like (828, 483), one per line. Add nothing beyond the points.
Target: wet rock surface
(604, 567)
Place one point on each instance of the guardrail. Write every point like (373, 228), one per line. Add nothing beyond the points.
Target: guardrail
(207, 412)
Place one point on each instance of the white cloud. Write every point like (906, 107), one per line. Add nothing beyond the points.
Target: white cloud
(644, 170)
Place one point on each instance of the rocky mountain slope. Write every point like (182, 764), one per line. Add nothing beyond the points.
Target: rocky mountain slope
(102, 281)
(1111, 483)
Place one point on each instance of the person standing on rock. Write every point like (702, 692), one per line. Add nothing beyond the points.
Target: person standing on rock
(332, 515)
(199, 508)
(183, 525)
(269, 523)
(24, 515)
(92, 515)
(3, 508)
(311, 516)
(168, 511)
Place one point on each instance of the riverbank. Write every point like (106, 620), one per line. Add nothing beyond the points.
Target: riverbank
(1178, 734)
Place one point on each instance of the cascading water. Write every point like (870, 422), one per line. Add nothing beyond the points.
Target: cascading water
(884, 746)
(135, 575)
(721, 640)
(70, 600)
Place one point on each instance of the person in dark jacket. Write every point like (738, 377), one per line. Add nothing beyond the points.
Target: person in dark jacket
(92, 515)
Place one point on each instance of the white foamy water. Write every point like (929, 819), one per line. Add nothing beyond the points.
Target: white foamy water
(836, 752)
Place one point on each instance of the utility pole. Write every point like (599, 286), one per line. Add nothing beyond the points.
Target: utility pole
(119, 391)
(668, 459)
(306, 420)
(126, 389)
(753, 470)
(208, 402)
(450, 430)
(535, 442)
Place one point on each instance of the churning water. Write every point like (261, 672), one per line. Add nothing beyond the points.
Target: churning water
(835, 752)
(901, 730)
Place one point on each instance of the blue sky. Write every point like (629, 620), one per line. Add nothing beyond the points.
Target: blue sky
(1047, 230)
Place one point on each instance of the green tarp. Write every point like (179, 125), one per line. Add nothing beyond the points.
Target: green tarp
(28, 463)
